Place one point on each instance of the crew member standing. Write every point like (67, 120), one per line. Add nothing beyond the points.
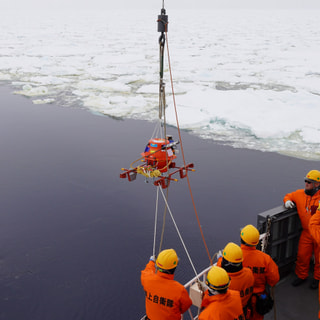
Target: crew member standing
(219, 302)
(314, 227)
(306, 200)
(166, 299)
(242, 279)
(264, 269)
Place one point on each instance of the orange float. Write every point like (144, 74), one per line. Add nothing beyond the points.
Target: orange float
(159, 154)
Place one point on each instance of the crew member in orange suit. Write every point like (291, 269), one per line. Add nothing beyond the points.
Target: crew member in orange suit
(314, 227)
(219, 302)
(242, 279)
(306, 200)
(166, 299)
(264, 269)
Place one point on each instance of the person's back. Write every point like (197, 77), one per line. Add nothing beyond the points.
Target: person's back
(314, 225)
(242, 279)
(314, 228)
(166, 299)
(220, 303)
(225, 306)
(264, 269)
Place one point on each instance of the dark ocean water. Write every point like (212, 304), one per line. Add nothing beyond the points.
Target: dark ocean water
(74, 236)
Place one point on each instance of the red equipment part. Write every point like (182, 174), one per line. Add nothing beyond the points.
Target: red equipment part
(158, 155)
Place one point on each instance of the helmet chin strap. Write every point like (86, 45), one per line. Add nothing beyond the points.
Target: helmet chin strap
(213, 292)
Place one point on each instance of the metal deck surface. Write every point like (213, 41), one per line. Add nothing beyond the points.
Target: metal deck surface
(293, 303)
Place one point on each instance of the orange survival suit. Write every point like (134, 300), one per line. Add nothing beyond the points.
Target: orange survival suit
(306, 207)
(166, 299)
(226, 306)
(314, 227)
(264, 269)
(241, 281)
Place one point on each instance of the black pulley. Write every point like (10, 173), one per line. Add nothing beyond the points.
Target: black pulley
(163, 21)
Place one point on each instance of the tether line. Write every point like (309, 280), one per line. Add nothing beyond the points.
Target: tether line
(155, 225)
(179, 234)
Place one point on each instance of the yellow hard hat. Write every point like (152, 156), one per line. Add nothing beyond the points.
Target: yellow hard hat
(218, 279)
(313, 175)
(167, 259)
(232, 253)
(250, 235)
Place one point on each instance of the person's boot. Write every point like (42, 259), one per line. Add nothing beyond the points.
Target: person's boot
(314, 284)
(298, 281)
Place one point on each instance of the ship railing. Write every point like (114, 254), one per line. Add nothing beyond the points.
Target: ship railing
(195, 293)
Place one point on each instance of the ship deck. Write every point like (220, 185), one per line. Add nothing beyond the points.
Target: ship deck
(293, 303)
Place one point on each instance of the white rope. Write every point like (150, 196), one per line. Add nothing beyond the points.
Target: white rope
(184, 246)
(155, 224)
(157, 132)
